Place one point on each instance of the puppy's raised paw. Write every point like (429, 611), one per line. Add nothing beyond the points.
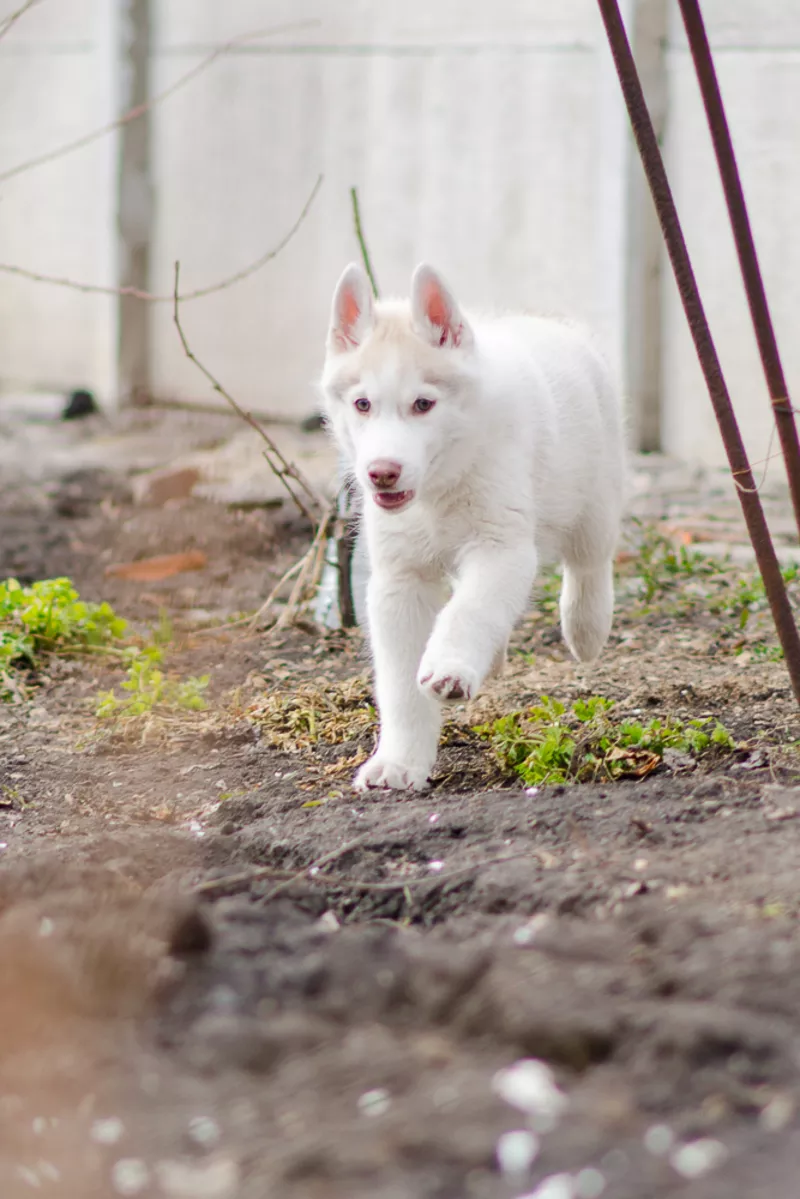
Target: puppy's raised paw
(447, 681)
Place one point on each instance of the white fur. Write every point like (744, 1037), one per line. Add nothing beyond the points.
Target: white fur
(520, 460)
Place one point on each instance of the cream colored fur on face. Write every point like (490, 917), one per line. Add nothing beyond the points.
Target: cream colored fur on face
(507, 437)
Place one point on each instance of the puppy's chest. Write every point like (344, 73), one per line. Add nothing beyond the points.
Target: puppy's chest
(434, 537)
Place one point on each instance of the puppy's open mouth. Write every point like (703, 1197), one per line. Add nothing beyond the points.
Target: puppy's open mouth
(392, 501)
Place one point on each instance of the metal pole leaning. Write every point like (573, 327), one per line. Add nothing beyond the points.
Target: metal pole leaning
(752, 509)
(745, 246)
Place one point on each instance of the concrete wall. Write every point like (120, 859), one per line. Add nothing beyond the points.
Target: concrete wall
(56, 84)
(480, 137)
(757, 52)
(488, 138)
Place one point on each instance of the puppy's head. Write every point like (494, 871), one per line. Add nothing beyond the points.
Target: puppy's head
(398, 385)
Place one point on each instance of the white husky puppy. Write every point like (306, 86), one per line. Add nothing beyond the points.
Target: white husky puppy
(482, 445)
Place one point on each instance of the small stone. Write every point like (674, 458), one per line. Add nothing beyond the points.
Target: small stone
(204, 1131)
(79, 403)
(46, 927)
(698, 1157)
(108, 1131)
(29, 1176)
(328, 922)
(589, 1184)
(530, 1087)
(217, 1179)
(557, 1186)
(129, 1176)
(528, 932)
(777, 1114)
(516, 1152)
(374, 1103)
(659, 1139)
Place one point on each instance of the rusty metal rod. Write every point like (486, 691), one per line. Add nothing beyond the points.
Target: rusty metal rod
(745, 245)
(752, 509)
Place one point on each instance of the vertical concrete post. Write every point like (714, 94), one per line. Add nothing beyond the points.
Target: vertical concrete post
(134, 201)
(645, 248)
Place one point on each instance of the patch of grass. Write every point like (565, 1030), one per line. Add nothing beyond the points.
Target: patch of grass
(749, 596)
(549, 743)
(766, 653)
(319, 711)
(148, 690)
(48, 617)
(661, 565)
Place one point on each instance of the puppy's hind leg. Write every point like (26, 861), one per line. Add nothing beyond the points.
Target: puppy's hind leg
(587, 607)
(587, 589)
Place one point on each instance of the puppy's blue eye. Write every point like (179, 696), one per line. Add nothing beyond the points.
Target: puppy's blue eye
(362, 404)
(423, 405)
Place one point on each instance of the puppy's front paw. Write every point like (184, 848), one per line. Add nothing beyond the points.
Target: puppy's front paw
(447, 680)
(378, 774)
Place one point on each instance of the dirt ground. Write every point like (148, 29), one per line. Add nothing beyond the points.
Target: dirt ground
(224, 975)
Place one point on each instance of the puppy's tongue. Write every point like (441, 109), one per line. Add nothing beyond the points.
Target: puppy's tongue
(389, 500)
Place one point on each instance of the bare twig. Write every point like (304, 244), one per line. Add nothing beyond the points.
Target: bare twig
(347, 528)
(310, 570)
(362, 243)
(348, 884)
(149, 297)
(8, 23)
(276, 590)
(281, 468)
(262, 871)
(139, 109)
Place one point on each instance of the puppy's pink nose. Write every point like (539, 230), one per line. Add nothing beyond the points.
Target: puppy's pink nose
(384, 473)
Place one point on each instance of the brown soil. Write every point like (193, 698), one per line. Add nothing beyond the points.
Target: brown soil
(278, 988)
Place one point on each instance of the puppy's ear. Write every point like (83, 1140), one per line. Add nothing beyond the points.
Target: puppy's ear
(434, 312)
(352, 312)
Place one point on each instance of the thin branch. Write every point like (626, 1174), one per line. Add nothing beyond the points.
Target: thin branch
(297, 566)
(262, 871)
(310, 571)
(362, 243)
(347, 884)
(139, 109)
(279, 465)
(197, 294)
(8, 23)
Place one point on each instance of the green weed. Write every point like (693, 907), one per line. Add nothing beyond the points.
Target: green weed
(766, 653)
(48, 617)
(149, 690)
(749, 596)
(661, 565)
(549, 743)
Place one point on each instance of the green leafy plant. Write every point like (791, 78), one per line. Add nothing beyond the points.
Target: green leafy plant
(660, 564)
(749, 596)
(548, 743)
(49, 617)
(147, 689)
(766, 653)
